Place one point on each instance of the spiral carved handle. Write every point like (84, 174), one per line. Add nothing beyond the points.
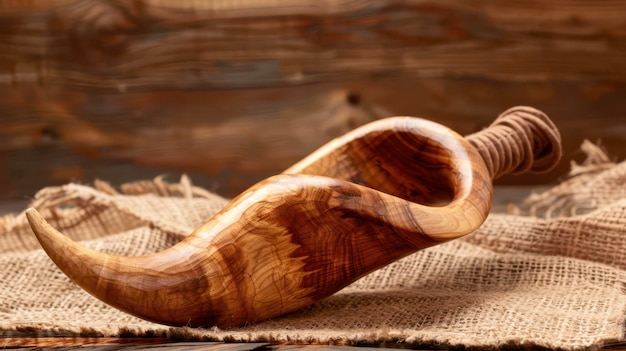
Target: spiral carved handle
(521, 139)
(362, 201)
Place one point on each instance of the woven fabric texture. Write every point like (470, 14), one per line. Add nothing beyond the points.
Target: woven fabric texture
(552, 273)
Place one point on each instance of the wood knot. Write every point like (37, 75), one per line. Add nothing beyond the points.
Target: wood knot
(102, 30)
(347, 112)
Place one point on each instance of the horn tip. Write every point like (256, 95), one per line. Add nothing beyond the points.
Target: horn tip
(32, 213)
(45, 233)
(35, 220)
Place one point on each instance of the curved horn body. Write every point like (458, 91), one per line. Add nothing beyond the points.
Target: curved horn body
(362, 201)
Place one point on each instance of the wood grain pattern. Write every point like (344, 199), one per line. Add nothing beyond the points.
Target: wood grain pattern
(360, 202)
(233, 92)
(139, 45)
(114, 344)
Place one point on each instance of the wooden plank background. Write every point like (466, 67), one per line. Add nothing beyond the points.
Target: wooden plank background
(234, 91)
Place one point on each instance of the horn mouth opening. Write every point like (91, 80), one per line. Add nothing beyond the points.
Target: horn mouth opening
(422, 173)
(411, 158)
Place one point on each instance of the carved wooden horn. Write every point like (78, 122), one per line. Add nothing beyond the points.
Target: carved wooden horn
(362, 201)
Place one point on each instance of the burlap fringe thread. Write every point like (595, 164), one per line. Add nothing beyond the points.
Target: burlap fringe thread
(585, 190)
(521, 280)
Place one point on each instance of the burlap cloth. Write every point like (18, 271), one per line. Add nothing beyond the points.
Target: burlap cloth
(552, 274)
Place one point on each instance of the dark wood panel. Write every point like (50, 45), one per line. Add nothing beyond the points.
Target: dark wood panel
(232, 92)
(137, 45)
(228, 139)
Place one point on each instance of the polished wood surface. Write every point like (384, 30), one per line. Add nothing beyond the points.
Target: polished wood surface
(60, 342)
(234, 91)
(364, 200)
(180, 339)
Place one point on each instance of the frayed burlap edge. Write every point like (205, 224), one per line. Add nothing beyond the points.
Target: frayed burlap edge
(574, 196)
(51, 201)
(66, 206)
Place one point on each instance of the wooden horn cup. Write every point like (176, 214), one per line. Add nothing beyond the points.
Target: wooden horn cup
(364, 200)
